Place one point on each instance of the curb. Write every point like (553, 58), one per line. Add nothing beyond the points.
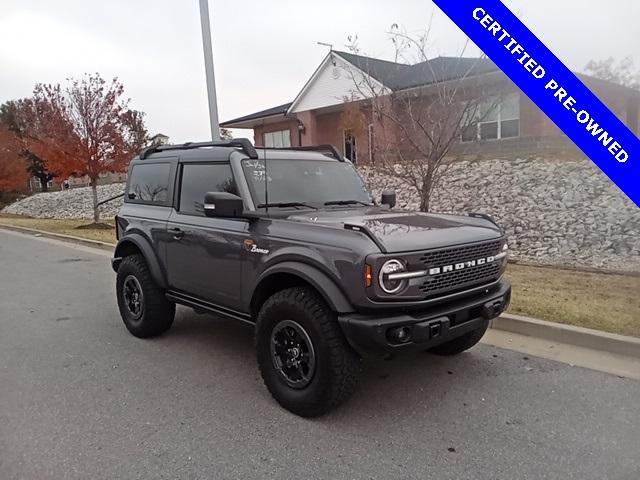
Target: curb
(64, 238)
(578, 336)
(530, 327)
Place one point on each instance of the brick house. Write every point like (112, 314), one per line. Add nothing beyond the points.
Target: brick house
(516, 125)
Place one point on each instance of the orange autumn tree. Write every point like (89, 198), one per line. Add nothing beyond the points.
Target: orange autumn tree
(21, 118)
(13, 169)
(86, 128)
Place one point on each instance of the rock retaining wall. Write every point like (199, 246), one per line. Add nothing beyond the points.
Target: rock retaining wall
(73, 203)
(554, 212)
(563, 213)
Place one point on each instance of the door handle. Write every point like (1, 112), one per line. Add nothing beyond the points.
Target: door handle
(177, 233)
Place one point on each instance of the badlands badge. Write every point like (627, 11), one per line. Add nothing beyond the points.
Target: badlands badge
(250, 246)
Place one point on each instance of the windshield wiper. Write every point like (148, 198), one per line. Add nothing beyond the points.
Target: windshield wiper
(347, 202)
(286, 204)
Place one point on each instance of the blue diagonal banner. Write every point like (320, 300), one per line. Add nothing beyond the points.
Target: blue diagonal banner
(552, 87)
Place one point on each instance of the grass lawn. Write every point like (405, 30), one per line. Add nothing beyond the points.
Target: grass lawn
(593, 300)
(64, 227)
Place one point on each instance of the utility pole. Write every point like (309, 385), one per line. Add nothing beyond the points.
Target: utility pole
(208, 67)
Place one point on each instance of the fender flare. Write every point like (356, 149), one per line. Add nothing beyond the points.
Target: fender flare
(327, 288)
(148, 253)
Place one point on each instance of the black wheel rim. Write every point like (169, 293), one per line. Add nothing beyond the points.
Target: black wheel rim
(133, 297)
(292, 354)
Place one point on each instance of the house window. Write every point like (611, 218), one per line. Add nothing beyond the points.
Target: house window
(495, 120)
(510, 116)
(470, 132)
(279, 139)
(350, 150)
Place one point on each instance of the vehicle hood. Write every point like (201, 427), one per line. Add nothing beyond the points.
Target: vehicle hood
(401, 231)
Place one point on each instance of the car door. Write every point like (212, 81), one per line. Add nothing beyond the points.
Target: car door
(204, 254)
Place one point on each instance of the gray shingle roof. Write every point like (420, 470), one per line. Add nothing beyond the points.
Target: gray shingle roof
(397, 76)
(279, 110)
(384, 71)
(446, 68)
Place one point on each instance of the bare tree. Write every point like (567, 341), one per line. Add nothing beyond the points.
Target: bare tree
(623, 73)
(416, 128)
(225, 134)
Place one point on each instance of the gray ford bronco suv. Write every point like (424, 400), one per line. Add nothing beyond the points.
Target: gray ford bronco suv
(292, 242)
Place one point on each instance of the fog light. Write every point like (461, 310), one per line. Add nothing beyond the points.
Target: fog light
(399, 334)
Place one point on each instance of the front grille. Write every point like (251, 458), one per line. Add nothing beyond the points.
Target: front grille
(460, 254)
(450, 282)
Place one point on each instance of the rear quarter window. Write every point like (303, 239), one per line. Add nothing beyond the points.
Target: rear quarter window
(149, 183)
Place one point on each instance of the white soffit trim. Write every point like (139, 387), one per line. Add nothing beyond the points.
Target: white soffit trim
(330, 84)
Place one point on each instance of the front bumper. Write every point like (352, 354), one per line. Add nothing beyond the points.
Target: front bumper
(370, 333)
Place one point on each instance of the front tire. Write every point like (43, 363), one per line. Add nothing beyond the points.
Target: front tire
(304, 359)
(143, 306)
(462, 343)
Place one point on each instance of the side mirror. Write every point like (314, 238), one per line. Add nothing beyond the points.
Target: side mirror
(388, 198)
(222, 204)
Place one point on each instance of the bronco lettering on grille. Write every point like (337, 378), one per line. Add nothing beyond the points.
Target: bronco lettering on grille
(461, 265)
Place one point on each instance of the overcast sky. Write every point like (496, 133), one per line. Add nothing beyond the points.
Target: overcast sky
(264, 51)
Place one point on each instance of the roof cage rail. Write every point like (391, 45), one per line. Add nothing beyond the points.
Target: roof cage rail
(326, 149)
(242, 143)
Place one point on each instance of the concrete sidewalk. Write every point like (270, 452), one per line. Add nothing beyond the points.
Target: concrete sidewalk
(569, 334)
(593, 359)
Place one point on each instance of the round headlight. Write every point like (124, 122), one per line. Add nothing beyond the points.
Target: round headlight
(390, 267)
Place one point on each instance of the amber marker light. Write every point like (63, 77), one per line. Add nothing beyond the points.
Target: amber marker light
(368, 276)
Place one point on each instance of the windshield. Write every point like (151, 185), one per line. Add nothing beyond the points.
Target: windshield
(310, 182)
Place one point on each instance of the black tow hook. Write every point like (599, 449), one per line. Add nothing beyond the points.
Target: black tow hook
(493, 308)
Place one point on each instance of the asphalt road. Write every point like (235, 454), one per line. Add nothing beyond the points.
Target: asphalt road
(81, 398)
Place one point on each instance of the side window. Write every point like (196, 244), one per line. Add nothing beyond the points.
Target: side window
(200, 178)
(150, 183)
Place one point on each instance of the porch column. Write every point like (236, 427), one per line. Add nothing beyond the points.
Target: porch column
(308, 119)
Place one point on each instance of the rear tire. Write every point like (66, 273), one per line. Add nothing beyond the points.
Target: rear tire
(143, 306)
(462, 343)
(304, 359)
